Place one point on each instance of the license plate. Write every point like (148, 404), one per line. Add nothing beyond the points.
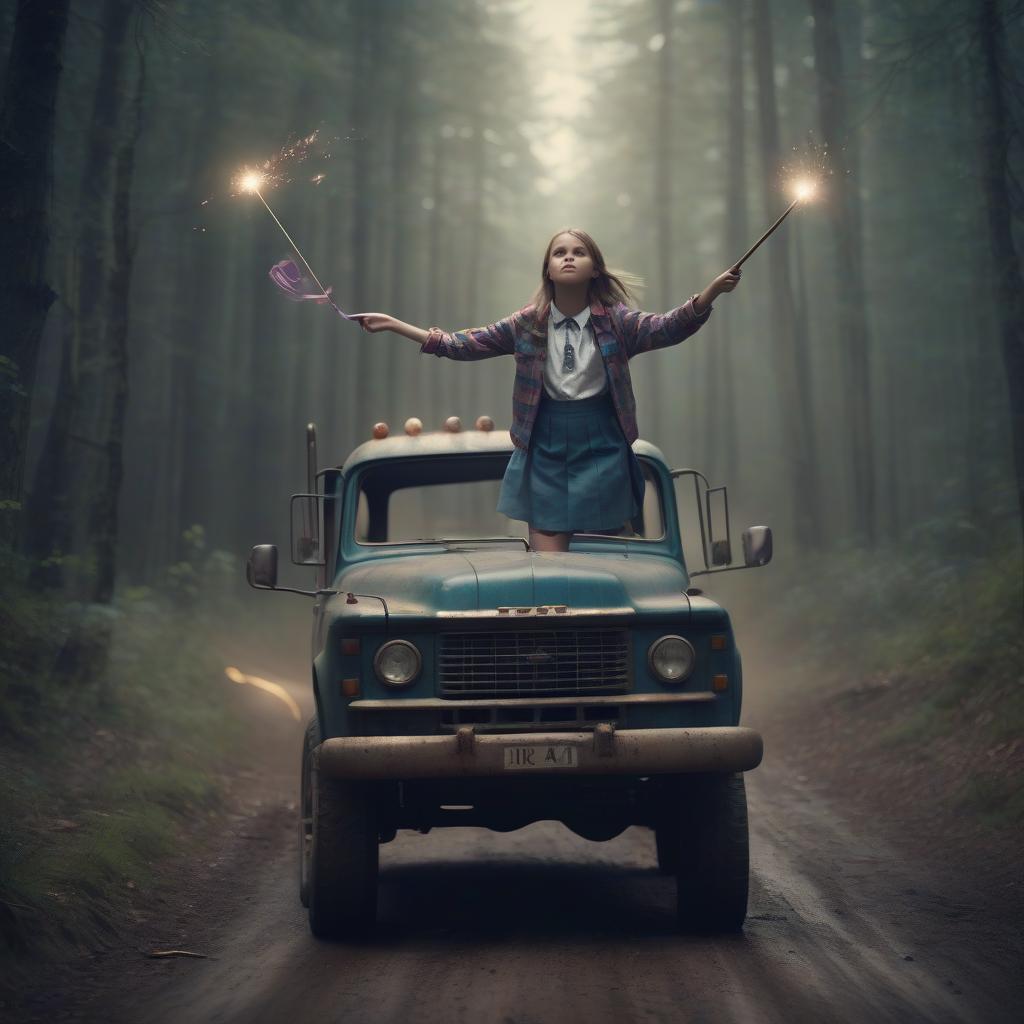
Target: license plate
(541, 757)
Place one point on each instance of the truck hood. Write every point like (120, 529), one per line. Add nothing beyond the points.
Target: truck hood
(475, 580)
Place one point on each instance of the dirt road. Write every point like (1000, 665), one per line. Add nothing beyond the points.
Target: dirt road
(540, 926)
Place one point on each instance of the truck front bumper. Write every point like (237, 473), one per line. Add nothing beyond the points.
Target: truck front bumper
(605, 751)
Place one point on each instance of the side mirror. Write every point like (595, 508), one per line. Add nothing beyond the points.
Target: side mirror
(757, 546)
(261, 569)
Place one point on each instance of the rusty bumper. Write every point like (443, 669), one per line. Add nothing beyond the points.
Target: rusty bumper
(605, 751)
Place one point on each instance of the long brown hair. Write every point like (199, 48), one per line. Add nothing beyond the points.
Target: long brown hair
(608, 288)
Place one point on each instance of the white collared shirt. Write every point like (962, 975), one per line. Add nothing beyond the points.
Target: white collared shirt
(588, 377)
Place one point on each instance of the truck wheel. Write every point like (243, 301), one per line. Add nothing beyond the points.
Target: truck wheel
(309, 743)
(344, 859)
(713, 858)
(666, 842)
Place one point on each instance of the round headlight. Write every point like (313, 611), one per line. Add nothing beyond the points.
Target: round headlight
(397, 663)
(671, 658)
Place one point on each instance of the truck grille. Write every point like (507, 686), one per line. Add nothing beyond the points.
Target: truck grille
(535, 662)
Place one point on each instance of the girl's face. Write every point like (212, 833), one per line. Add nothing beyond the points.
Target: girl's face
(569, 261)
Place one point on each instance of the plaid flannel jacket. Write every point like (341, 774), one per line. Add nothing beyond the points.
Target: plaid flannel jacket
(620, 333)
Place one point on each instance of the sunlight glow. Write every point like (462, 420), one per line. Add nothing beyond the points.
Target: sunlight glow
(565, 84)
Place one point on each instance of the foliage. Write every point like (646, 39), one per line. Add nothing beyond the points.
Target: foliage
(77, 845)
(926, 605)
(922, 640)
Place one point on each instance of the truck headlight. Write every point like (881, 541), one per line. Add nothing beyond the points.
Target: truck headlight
(671, 658)
(397, 663)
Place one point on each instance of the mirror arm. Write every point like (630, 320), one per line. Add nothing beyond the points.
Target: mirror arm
(729, 568)
(293, 590)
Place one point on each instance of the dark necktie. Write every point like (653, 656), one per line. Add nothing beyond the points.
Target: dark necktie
(572, 330)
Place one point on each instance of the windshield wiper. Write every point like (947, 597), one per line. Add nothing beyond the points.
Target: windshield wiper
(463, 541)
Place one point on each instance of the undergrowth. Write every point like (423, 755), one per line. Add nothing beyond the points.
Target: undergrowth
(100, 778)
(936, 636)
(892, 613)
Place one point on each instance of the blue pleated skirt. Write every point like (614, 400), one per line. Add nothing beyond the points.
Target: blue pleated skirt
(579, 475)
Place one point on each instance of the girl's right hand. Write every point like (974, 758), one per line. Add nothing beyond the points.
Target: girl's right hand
(372, 323)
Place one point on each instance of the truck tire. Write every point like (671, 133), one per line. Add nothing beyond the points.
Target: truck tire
(713, 856)
(666, 842)
(344, 859)
(309, 743)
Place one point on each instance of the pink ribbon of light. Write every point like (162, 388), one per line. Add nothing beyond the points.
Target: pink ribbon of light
(287, 276)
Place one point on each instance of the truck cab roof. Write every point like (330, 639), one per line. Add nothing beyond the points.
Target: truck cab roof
(443, 442)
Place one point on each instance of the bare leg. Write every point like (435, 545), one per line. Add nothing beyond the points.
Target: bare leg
(543, 540)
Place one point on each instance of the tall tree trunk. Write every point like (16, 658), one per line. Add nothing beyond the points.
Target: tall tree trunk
(49, 526)
(26, 175)
(64, 477)
(663, 159)
(790, 362)
(86, 651)
(437, 212)
(475, 220)
(995, 136)
(194, 347)
(404, 148)
(118, 288)
(854, 335)
(737, 231)
(364, 18)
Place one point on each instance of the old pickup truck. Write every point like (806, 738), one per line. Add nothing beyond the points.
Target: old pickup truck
(462, 679)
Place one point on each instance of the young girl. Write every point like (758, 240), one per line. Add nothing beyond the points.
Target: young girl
(573, 410)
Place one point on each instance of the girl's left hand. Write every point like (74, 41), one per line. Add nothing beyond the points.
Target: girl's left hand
(726, 281)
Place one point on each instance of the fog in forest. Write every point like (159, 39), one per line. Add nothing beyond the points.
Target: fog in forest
(861, 392)
(851, 391)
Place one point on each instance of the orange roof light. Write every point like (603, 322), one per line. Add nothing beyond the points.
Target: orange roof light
(380, 430)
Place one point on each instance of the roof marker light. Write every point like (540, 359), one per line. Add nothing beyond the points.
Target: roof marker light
(484, 423)
(413, 426)
(453, 424)
(380, 431)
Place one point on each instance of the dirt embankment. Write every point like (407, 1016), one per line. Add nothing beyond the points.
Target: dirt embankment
(920, 761)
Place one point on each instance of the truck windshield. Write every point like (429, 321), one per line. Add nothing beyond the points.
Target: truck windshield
(403, 501)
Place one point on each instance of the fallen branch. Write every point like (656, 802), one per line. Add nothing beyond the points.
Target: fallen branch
(158, 953)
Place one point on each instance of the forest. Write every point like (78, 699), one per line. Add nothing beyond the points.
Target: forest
(862, 388)
(861, 391)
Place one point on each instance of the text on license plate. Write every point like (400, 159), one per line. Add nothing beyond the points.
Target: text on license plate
(545, 755)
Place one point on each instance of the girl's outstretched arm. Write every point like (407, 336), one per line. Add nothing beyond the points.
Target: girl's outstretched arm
(725, 282)
(644, 332)
(497, 339)
(374, 322)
